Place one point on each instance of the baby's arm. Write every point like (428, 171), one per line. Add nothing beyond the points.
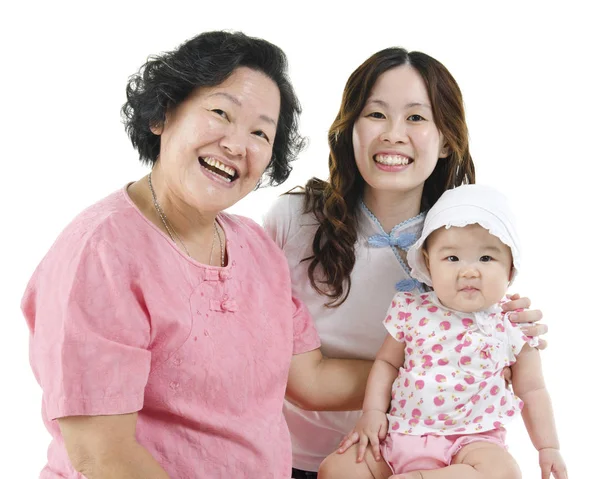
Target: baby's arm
(528, 384)
(372, 426)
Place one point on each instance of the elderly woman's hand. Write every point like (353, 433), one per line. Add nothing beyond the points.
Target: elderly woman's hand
(519, 313)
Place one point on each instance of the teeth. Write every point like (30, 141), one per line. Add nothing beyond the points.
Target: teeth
(392, 160)
(217, 164)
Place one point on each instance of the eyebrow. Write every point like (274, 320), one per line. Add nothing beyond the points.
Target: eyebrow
(408, 105)
(234, 100)
(486, 248)
(424, 105)
(445, 249)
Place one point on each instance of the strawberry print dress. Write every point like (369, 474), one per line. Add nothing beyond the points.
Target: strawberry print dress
(451, 381)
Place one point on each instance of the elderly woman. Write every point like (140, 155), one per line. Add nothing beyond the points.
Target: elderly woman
(164, 333)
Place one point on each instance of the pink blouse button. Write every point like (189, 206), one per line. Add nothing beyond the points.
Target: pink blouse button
(229, 305)
(224, 274)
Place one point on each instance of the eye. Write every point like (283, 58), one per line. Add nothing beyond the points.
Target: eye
(486, 259)
(221, 113)
(452, 259)
(376, 114)
(261, 134)
(415, 118)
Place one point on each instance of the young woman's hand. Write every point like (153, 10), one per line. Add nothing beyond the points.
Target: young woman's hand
(517, 307)
(370, 428)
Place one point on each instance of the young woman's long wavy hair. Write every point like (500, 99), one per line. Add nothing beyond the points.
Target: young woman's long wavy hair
(335, 203)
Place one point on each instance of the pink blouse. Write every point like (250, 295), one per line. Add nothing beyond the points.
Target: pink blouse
(122, 321)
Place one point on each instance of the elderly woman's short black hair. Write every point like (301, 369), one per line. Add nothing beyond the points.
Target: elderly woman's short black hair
(206, 60)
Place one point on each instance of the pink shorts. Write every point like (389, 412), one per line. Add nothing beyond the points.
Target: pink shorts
(405, 453)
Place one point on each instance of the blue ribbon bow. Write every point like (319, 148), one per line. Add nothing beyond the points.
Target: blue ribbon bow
(403, 240)
(407, 285)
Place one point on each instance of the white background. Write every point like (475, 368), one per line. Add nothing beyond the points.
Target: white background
(528, 75)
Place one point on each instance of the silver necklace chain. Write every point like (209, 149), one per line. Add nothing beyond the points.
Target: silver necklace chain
(173, 234)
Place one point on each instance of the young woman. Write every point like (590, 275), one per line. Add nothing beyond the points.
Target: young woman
(398, 142)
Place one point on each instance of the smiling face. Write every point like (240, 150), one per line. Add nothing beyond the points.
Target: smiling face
(396, 142)
(216, 144)
(469, 267)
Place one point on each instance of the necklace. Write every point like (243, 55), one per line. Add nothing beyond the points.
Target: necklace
(173, 234)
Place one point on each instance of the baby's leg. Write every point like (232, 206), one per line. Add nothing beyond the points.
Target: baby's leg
(344, 466)
(478, 460)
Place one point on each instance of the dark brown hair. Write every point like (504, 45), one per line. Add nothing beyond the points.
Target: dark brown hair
(335, 203)
(208, 59)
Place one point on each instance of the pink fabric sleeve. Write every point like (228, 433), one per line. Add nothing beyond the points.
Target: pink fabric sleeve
(89, 331)
(396, 317)
(306, 337)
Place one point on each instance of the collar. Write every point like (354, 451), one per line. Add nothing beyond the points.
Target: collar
(481, 318)
(403, 235)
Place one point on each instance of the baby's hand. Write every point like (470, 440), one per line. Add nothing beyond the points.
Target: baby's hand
(371, 427)
(552, 462)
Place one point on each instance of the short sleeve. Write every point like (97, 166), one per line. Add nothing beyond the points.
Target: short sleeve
(278, 219)
(89, 331)
(397, 314)
(306, 337)
(517, 339)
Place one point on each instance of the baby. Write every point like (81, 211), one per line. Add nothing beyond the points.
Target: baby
(438, 374)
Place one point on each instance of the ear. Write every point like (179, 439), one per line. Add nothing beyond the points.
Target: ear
(444, 151)
(426, 258)
(157, 129)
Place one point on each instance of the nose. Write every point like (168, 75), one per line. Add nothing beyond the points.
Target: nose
(234, 142)
(470, 271)
(395, 132)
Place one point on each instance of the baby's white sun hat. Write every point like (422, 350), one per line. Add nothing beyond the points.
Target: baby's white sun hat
(462, 206)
